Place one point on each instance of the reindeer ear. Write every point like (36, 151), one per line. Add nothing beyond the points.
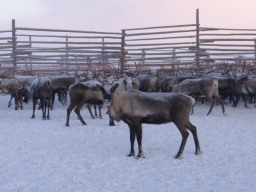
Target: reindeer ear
(113, 88)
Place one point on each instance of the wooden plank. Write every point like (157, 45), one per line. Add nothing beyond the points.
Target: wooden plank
(67, 31)
(75, 55)
(234, 59)
(227, 34)
(231, 53)
(61, 42)
(73, 48)
(5, 54)
(159, 48)
(5, 38)
(157, 58)
(158, 33)
(6, 31)
(215, 49)
(225, 39)
(100, 56)
(226, 45)
(58, 63)
(164, 53)
(158, 44)
(227, 29)
(160, 27)
(72, 37)
(162, 38)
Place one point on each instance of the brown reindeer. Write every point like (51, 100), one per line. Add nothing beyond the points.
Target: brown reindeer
(201, 88)
(135, 108)
(81, 94)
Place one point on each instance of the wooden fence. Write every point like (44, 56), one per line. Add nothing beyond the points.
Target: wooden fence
(178, 48)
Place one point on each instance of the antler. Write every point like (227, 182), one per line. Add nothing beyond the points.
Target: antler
(101, 75)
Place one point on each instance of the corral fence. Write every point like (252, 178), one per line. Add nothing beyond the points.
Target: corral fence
(176, 49)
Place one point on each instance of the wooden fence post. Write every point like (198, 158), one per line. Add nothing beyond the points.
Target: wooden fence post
(143, 57)
(123, 51)
(254, 53)
(197, 40)
(14, 43)
(173, 54)
(30, 53)
(67, 54)
(104, 55)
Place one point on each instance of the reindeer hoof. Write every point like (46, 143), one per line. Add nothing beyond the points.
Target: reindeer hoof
(178, 156)
(198, 152)
(140, 155)
(131, 154)
(111, 124)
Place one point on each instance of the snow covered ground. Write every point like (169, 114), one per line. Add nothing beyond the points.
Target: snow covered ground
(46, 156)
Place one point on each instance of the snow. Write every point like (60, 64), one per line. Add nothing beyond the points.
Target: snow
(44, 155)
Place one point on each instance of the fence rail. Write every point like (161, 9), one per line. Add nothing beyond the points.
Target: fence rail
(178, 47)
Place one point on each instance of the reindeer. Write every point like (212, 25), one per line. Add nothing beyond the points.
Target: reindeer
(135, 108)
(81, 94)
(12, 87)
(97, 84)
(41, 89)
(123, 85)
(60, 85)
(200, 88)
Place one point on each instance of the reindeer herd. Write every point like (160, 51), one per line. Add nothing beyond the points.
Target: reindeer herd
(147, 98)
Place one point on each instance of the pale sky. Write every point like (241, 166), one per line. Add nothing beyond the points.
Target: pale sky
(114, 15)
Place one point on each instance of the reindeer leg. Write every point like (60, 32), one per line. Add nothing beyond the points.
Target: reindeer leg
(48, 108)
(77, 110)
(212, 104)
(43, 104)
(10, 102)
(60, 97)
(254, 100)
(138, 130)
(65, 97)
(132, 139)
(236, 101)
(192, 129)
(69, 109)
(245, 104)
(34, 108)
(100, 116)
(95, 110)
(90, 111)
(111, 122)
(20, 101)
(16, 101)
(222, 104)
(53, 99)
(184, 134)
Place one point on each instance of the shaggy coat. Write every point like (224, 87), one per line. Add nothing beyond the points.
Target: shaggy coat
(81, 94)
(135, 107)
(41, 89)
(201, 88)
